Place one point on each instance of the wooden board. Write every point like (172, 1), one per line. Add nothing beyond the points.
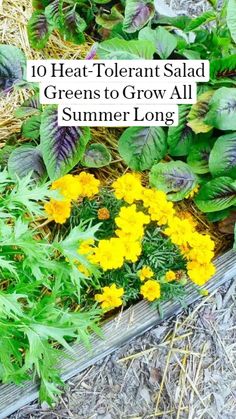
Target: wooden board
(121, 329)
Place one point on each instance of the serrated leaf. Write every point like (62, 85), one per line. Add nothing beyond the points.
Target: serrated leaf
(12, 67)
(223, 156)
(163, 40)
(137, 14)
(141, 147)
(31, 127)
(72, 24)
(30, 107)
(175, 178)
(25, 160)
(198, 157)
(96, 155)
(198, 112)
(222, 109)
(62, 147)
(216, 195)
(231, 18)
(181, 137)
(203, 19)
(120, 49)
(109, 20)
(39, 30)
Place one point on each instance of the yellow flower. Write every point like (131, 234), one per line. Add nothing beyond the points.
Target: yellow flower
(86, 247)
(153, 197)
(83, 270)
(179, 231)
(170, 276)
(132, 221)
(192, 193)
(128, 187)
(145, 273)
(104, 214)
(89, 184)
(109, 254)
(202, 248)
(151, 290)
(186, 215)
(200, 273)
(133, 250)
(68, 186)
(58, 211)
(162, 213)
(111, 297)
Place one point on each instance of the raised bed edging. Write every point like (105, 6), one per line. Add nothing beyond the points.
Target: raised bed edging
(132, 322)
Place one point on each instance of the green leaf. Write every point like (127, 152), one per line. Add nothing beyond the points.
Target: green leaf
(163, 40)
(120, 49)
(223, 68)
(222, 113)
(198, 112)
(96, 155)
(141, 147)
(109, 20)
(52, 13)
(223, 156)
(198, 157)
(10, 306)
(31, 127)
(231, 18)
(216, 216)
(137, 14)
(203, 19)
(62, 147)
(181, 137)
(39, 30)
(72, 25)
(217, 195)
(30, 107)
(12, 67)
(25, 160)
(175, 178)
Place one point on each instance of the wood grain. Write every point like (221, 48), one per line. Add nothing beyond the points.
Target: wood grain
(118, 331)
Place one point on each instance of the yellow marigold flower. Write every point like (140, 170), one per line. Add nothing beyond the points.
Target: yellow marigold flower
(202, 248)
(128, 187)
(193, 192)
(186, 215)
(145, 273)
(170, 276)
(162, 213)
(83, 270)
(111, 297)
(132, 221)
(109, 254)
(151, 290)
(86, 247)
(179, 231)
(89, 184)
(200, 273)
(104, 214)
(153, 197)
(133, 250)
(58, 211)
(68, 186)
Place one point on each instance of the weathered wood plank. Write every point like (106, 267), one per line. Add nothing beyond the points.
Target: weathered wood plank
(121, 329)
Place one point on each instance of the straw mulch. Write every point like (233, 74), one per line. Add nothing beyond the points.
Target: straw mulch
(183, 369)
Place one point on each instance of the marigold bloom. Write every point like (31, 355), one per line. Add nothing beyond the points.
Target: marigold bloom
(153, 197)
(145, 273)
(128, 187)
(132, 221)
(151, 290)
(111, 297)
(68, 186)
(89, 184)
(85, 247)
(200, 273)
(109, 254)
(162, 213)
(58, 211)
(133, 250)
(104, 214)
(170, 276)
(179, 231)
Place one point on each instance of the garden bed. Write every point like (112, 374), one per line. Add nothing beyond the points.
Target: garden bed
(199, 171)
